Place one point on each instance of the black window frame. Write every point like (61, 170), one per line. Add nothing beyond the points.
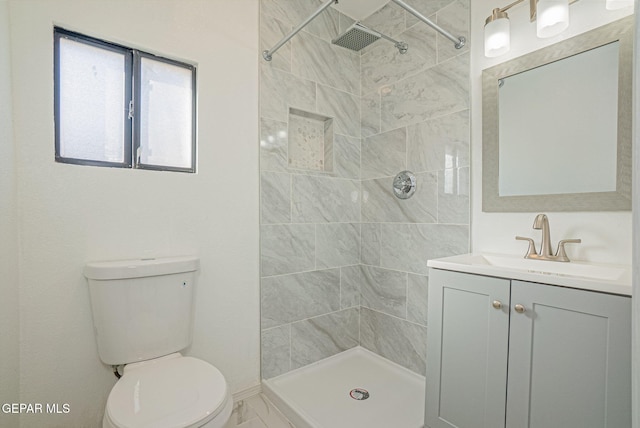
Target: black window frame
(131, 107)
(137, 116)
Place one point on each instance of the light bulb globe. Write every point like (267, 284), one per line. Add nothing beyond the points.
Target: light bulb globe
(497, 37)
(553, 17)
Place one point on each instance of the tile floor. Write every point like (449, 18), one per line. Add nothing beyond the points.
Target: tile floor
(257, 412)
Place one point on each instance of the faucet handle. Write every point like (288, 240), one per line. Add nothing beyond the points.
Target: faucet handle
(561, 254)
(532, 247)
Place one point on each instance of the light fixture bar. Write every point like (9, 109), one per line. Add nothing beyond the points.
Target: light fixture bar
(533, 6)
(553, 19)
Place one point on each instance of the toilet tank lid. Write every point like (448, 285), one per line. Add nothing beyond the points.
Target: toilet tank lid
(123, 269)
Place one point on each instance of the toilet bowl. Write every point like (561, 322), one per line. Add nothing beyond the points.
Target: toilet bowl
(168, 392)
(143, 315)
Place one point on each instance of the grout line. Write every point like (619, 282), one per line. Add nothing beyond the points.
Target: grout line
(343, 266)
(306, 271)
(290, 348)
(406, 300)
(394, 270)
(406, 147)
(379, 233)
(438, 196)
(293, 172)
(398, 223)
(312, 223)
(360, 243)
(290, 193)
(379, 94)
(394, 316)
(340, 291)
(290, 324)
(360, 308)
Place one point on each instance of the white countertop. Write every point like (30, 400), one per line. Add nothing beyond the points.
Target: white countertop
(606, 278)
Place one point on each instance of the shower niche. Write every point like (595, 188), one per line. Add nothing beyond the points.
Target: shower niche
(310, 141)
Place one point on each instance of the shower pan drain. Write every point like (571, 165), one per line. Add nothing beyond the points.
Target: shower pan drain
(359, 394)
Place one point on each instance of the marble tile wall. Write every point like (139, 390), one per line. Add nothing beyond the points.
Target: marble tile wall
(310, 218)
(344, 263)
(415, 116)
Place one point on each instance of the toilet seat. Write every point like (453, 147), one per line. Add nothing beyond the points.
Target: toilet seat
(169, 392)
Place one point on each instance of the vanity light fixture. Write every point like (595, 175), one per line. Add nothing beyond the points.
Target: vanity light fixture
(497, 33)
(551, 16)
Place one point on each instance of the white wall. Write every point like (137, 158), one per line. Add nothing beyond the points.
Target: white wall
(8, 237)
(72, 214)
(606, 236)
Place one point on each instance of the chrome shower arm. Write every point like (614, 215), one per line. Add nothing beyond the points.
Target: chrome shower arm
(459, 41)
(401, 46)
(268, 54)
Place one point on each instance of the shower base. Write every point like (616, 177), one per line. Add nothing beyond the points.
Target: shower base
(321, 395)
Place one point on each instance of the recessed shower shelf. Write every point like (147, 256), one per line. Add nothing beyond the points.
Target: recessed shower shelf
(310, 141)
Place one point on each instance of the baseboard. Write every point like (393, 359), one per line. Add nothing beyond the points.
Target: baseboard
(246, 393)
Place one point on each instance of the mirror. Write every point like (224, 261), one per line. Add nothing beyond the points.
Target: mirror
(557, 126)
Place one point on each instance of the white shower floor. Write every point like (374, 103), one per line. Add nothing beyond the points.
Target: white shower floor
(317, 396)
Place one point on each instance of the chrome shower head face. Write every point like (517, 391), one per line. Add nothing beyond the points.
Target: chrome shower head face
(356, 38)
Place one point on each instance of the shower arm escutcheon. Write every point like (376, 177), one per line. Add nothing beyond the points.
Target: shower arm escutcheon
(268, 55)
(459, 42)
(401, 46)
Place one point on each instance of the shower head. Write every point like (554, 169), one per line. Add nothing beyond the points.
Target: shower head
(358, 37)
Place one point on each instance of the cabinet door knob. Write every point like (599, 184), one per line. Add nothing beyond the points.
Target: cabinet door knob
(519, 308)
(497, 304)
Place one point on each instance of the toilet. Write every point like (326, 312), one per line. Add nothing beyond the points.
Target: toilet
(143, 317)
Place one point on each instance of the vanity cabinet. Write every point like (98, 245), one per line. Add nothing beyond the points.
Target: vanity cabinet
(508, 353)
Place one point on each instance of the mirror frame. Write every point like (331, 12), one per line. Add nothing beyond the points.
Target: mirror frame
(618, 200)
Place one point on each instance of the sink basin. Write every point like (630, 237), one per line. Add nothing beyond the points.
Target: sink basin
(557, 268)
(591, 276)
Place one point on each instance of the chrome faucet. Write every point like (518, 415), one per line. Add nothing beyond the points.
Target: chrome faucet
(541, 222)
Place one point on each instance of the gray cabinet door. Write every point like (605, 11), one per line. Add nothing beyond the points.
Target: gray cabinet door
(467, 343)
(569, 359)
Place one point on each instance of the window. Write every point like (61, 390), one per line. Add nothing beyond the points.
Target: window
(120, 107)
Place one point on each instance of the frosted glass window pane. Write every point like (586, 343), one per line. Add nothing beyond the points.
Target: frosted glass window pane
(92, 102)
(166, 114)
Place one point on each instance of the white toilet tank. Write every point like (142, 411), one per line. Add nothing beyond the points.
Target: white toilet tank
(142, 309)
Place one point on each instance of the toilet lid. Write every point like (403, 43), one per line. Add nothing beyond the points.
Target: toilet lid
(177, 392)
